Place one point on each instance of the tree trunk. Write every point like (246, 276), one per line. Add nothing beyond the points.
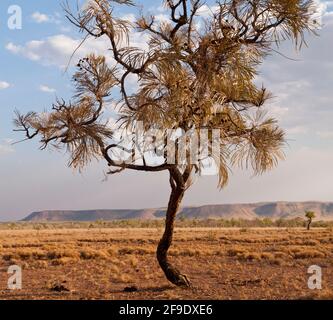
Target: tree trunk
(171, 272)
(309, 224)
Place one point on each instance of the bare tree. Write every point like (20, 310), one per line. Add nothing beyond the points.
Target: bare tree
(197, 73)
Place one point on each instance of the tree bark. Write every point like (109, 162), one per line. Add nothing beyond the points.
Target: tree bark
(171, 272)
(309, 224)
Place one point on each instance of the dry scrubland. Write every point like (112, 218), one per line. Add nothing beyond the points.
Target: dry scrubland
(222, 263)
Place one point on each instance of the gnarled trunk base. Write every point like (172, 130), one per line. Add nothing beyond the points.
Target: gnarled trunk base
(171, 272)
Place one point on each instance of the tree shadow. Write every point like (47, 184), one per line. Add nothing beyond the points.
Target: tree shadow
(149, 289)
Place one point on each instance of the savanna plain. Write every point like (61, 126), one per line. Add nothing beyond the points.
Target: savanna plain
(119, 263)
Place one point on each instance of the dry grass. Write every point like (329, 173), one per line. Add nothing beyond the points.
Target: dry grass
(222, 263)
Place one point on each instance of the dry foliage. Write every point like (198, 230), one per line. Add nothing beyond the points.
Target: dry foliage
(191, 76)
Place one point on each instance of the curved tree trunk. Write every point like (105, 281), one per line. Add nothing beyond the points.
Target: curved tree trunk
(171, 272)
(309, 224)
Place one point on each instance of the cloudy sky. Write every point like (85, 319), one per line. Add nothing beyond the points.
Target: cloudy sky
(32, 64)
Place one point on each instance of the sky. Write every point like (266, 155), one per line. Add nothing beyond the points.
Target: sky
(33, 73)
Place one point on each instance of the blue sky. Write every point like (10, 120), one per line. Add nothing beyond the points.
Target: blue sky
(32, 75)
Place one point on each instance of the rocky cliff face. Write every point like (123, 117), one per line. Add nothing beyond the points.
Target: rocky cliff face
(273, 210)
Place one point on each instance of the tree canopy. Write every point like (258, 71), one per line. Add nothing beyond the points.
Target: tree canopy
(194, 75)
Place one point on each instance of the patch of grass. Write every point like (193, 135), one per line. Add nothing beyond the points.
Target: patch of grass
(307, 253)
(234, 252)
(62, 261)
(88, 254)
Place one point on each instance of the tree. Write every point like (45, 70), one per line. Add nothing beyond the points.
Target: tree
(196, 76)
(310, 215)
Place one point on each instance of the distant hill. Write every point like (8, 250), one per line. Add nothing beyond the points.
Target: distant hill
(273, 210)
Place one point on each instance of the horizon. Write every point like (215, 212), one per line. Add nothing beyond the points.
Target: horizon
(193, 205)
(164, 207)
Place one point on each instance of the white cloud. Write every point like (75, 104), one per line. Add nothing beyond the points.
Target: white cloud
(207, 11)
(162, 17)
(12, 48)
(4, 85)
(46, 89)
(40, 17)
(28, 52)
(302, 89)
(57, 50)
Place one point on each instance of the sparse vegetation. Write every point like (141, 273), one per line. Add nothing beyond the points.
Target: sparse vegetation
(260, 263)
(181, 223)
